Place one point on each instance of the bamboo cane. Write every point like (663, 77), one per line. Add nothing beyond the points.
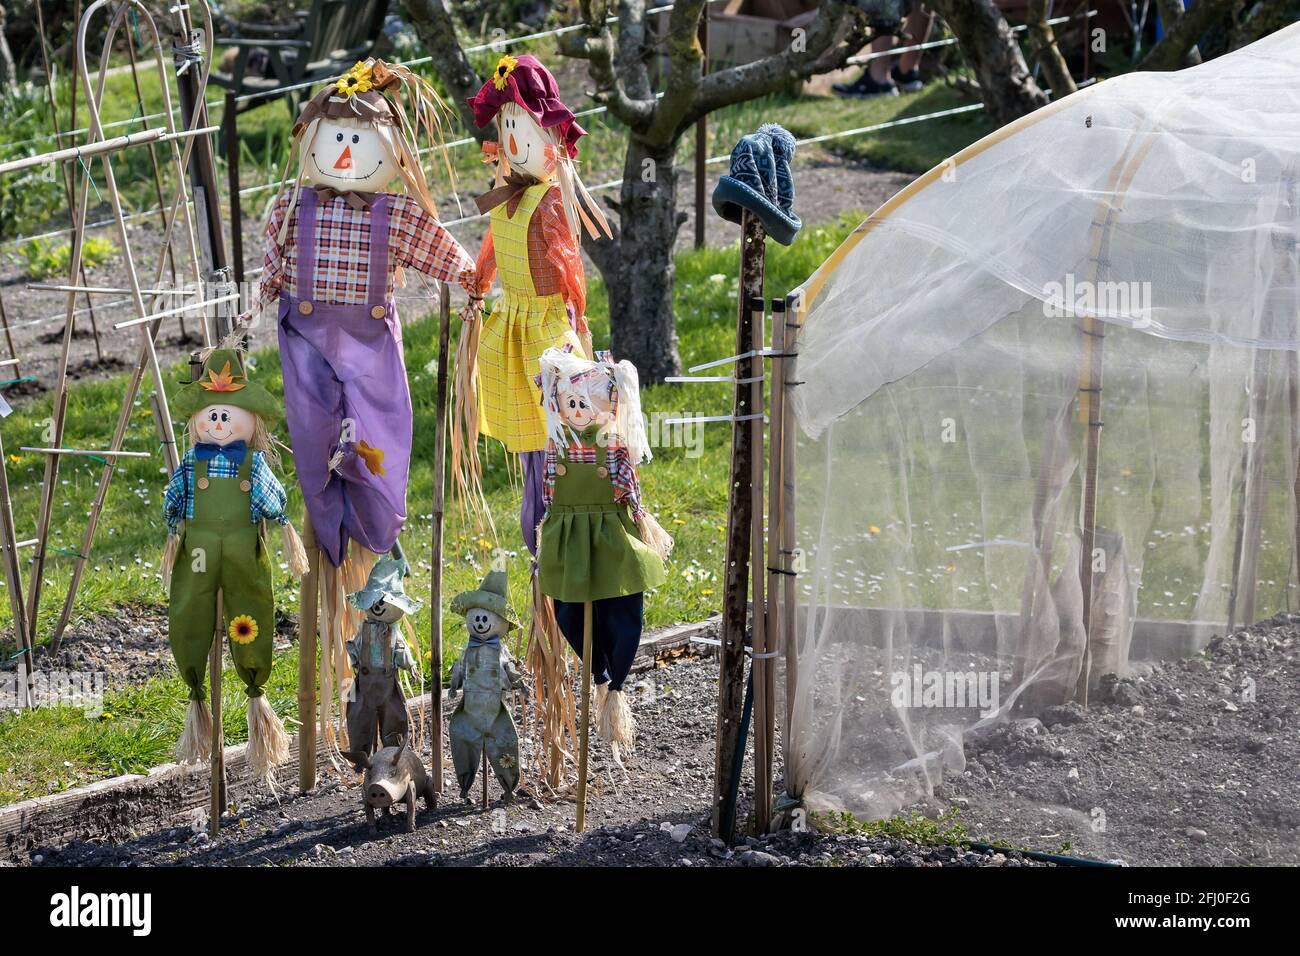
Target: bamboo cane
(14, 583)
(484, 775)
(586, 717)
(217, 762)
(789, 607)
(439, 508)
(148, 333)
(9, 338)
(776, 565)
(308, 604)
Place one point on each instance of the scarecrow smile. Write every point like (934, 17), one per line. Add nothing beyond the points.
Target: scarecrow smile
(338, 175)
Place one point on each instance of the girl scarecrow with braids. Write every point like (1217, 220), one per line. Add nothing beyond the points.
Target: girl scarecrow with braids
(215, 506)
(336, 244)
(598, 543)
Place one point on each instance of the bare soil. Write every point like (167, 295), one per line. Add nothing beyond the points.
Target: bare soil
(657, 814)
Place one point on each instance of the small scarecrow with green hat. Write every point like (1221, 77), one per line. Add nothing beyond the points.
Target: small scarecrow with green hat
(377, 715)
(484, 673)
(215, 506)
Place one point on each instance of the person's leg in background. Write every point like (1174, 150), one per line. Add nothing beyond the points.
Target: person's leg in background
(906, 73)
(874, 80)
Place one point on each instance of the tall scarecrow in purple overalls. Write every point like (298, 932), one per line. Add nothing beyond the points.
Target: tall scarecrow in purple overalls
(336, 245)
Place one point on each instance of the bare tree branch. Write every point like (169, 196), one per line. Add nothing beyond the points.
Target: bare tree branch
(1179, 39)
(433, 24)
(837, 32)
(596, 46)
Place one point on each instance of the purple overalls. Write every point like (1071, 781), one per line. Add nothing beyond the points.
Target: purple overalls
(345, 389)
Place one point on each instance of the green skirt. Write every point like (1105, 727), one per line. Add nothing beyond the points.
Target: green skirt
(593, 552)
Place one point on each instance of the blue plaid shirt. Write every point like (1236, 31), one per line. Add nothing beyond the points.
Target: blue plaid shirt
(267, 498)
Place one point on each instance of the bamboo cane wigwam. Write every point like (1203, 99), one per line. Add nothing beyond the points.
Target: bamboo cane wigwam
(967, 505)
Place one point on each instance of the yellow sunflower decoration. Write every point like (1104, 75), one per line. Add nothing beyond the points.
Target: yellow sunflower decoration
(243, 630)
(355, 80)
(505, 66)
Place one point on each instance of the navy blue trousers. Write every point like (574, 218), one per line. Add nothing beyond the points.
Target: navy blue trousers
(615, 634)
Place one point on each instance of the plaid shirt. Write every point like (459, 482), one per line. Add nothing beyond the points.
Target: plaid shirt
(622, 473)
(416, 240)
(267, 498)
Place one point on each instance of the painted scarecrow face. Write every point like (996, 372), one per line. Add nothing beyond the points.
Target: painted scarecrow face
(384, 612)
(585, 404)
(528, 147)
(350, 156)
(483, 623)
(223, 424)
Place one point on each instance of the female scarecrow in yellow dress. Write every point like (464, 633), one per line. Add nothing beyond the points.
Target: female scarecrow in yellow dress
(537, 211)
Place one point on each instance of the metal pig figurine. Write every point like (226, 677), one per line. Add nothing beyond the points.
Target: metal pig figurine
(377, 713)
(393, 775)
(484, 672)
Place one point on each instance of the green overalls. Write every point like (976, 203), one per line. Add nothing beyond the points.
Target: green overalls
(590, 549)
(231, 558)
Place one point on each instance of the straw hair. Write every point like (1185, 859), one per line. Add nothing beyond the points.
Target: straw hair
(195, 743)
(610, 387)
(294, 552)
(169, 559)
(615, 723)
(268, 744)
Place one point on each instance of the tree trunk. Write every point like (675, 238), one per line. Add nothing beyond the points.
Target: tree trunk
(1180, 38)
(1042, 40)
(1171, 11)
(7, 65)
(1006, 85)
(641, 293)
(433, 24)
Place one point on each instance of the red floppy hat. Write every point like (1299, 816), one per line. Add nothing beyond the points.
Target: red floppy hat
(525, 81)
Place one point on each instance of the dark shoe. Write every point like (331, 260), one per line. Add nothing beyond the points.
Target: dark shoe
(909, 82)
(864, 87)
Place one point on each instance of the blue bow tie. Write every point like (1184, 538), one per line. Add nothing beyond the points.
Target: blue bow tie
(234, 452)
(492, 641)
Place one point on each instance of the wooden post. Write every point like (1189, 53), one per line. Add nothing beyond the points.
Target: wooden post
(23, 638)
(439, 510)
(308, 606)
(1094, 337)
(586, 717)
(702, 139)
(731, 657)
(484, 776)
(217, 763)
(759, 664)
(229, 121)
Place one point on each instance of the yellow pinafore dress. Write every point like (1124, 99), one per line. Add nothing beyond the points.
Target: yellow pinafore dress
(521, 327)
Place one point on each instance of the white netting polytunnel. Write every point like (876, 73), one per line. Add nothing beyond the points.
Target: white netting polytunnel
(1095, 306)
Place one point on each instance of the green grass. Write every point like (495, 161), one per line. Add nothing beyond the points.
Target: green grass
(53, 749)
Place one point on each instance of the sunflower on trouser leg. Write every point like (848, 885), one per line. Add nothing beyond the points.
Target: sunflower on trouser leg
(215, 506)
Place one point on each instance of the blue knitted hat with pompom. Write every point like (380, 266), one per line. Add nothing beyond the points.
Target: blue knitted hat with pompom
(760, 181)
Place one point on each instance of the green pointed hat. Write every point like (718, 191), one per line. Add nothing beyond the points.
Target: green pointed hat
(223, 382)
(491, 595)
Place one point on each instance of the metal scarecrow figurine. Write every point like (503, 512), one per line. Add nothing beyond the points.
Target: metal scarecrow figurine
(485, 672)
(334, 250)
(600, 548)
(377, 710)
(215, 505)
